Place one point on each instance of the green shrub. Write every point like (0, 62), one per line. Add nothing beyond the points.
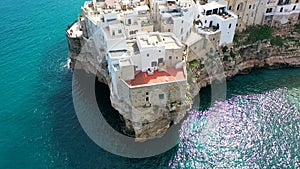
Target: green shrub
(277, 41)
(224, 49)
(193, 64)
(257, 33)
(226, 57)
(232, 54)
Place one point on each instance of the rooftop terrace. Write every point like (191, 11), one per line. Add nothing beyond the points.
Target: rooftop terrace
(215, 8)
(158, 39)
(170, 75)
(74, 31)
(97, 11)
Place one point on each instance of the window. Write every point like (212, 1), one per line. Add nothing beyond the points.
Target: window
(113, 33)
(239, 7)
(269, 10)
(253, 6)
(153, 64)
(169, 30)
(120, 31)
(170, 57)
(294, 7)
(160, 60)
(249, 6)
(209, 12)
(161, 96)
(205, 21)
(181, 30)
(147, 99)
(210, 23)
(215, 11)
(176, 57)
(281, 9)
(159, 50)
(129, 21)
(230, 7)
(147, 54)
(147, 93)
(229, 26)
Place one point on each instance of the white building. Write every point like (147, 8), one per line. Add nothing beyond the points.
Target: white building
(134, 14)
(281, 12)
(151, 61)
(215, 22)
(174, 16)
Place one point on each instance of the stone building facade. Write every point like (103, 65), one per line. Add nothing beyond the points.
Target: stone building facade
(265, 12)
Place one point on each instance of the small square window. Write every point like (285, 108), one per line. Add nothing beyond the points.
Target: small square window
(147, 54)
(161, 96)
(147, 93)
(159, 50)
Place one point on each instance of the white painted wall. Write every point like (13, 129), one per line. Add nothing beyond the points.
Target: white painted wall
(227, 32)
(149, 55)
(287, 8)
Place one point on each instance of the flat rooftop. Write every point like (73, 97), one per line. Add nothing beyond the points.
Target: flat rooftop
(170, 42)
(97, 11)
(212, 5)
(74, 31)
(170, 75)
(158, 39)
(150, 40)
(117, 54)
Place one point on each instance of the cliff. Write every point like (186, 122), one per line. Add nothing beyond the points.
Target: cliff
(202, 71)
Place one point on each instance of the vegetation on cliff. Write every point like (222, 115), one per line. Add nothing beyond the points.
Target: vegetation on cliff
(277, 37)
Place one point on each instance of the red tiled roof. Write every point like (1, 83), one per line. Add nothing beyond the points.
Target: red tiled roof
(170, 75)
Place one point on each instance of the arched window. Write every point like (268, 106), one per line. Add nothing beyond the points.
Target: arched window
(210, 23)
(239, 7)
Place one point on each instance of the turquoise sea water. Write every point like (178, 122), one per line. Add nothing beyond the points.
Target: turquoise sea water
(38, 125)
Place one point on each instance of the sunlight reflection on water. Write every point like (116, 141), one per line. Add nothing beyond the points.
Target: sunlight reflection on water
(252, 131)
